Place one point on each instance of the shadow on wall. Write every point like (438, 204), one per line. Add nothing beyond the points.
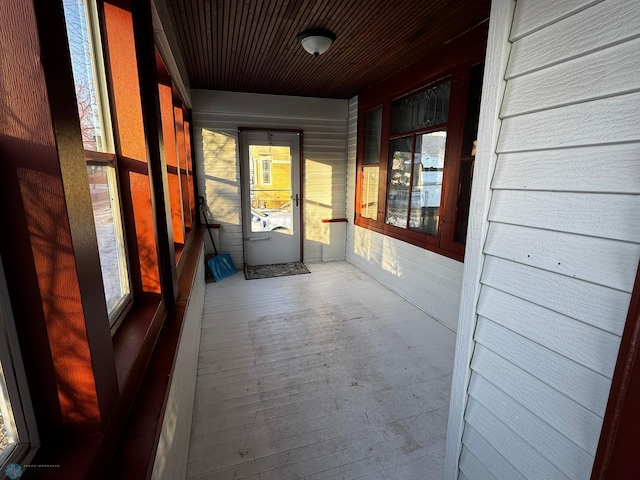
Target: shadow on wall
(318, 197)
(221, 176)
(377, 250)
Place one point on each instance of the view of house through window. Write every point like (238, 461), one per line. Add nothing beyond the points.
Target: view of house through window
(270, 176)
(93, 110)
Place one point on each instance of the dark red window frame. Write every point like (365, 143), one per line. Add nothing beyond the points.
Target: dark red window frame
(453, 63)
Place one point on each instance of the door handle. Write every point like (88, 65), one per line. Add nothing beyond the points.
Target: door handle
(297, 199)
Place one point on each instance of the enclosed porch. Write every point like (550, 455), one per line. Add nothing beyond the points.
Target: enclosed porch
(322, 375)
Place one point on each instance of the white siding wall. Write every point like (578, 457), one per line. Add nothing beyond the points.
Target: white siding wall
(430, 281)
(217, 116)
(173, 446)
(562, 245)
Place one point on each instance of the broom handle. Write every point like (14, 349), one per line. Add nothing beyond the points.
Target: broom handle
(204, 214)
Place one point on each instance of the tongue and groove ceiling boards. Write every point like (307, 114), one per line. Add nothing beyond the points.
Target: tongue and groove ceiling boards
(251, 46)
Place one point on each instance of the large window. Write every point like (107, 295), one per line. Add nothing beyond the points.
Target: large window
(95, 123)
(415, 161)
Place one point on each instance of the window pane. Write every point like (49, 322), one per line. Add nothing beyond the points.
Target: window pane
(106, 213)
(399, 181)
(8, 434)
(464, 201)
(271, 200)
(473, 110)
(421, 110)
(372, 132)
(85, 53)
(428, 165)
(369, 193)
(265, 161)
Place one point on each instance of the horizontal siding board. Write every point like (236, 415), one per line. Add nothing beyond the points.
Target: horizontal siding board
(527, 460)
(532, 15)
(577, 423)
(599, 169)
(231, 122)
(597, 27)
(595, 305)
(610, 263)
(399, 257)
(558, 449)
(599, 215)
(604, 121)
(493, 461)
(592, 347)
(564, 235)
(604, 73)
(585, 386)
(472, 468)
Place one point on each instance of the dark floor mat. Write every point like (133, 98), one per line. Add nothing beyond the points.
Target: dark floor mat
(277, 270)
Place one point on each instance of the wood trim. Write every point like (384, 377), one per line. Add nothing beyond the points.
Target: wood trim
(151, 113)
(124, 90)
(136, 451)
(452, 163)
(498, 49)
(301, 159)
(99, 158)
(617, 454)
(44, 179)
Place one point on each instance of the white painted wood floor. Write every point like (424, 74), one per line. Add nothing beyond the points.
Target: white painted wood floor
(327, 375)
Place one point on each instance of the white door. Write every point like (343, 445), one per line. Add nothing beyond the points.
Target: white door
(271, 196)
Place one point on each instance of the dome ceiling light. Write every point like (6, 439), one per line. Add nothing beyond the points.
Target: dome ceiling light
(316, 41)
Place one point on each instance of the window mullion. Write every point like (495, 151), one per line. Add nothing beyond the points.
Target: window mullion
(413, 153)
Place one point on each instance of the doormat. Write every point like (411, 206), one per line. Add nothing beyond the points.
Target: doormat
(277, 270)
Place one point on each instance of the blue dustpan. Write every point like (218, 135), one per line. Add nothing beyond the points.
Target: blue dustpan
(221, 266)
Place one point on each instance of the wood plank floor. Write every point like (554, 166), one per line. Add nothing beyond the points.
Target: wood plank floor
(327, 375)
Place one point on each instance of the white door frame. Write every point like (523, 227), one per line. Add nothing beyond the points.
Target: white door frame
(245, 136)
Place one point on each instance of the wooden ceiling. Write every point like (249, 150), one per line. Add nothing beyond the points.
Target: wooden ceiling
(251, 46)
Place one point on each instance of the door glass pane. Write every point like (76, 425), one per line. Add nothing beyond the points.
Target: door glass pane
(87, 74)
(399, 181)
(428, 165)
(372, 133)
(8, 434)
(421, 110)
(270, 187)
(369, 194)
(106, 214)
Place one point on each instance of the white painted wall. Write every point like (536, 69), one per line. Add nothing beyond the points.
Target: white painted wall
(426, 279)
(173, 446)
(217, 116)
(545, 300)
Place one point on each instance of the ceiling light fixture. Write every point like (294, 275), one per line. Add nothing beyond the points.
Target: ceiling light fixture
(316, 41)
